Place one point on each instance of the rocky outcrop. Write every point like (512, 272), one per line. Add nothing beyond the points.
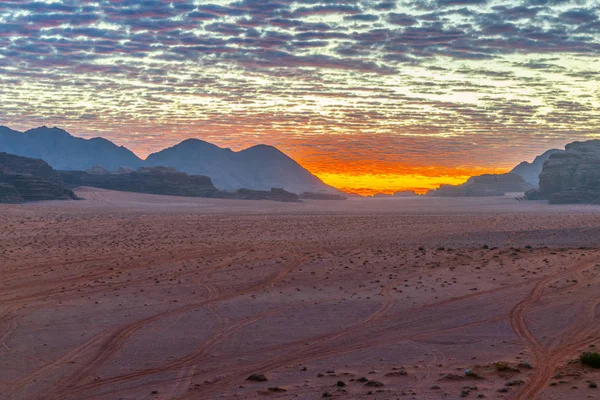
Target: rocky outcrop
(484, 185)
(381, 195)
(275, 194)
(322, 196)
(531, 171)
(155, 180)
(571, 176)
(27, 179)
(406, 193)
(167, 181)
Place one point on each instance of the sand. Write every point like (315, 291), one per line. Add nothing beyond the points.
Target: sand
(129, 296)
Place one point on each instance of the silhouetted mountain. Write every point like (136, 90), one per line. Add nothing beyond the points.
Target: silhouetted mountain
(531, 171)
(155, 180)
(65, 152)
(322, 196)
(29, 179)
(484, 185)
(257, 168)
(406, 193)
(572, 175)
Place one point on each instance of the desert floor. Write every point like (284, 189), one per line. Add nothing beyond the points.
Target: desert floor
(127, 296)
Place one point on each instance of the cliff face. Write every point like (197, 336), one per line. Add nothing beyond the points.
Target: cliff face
(484, 185)
(156, 180)
(27, 179)
(167, 181)
(572, 175)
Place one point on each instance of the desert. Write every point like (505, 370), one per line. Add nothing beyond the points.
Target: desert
(137, 296)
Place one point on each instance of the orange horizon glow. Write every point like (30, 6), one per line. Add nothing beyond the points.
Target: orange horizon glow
(370, 184)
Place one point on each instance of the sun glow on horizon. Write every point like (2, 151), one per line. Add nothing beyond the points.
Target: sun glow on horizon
(389, 183)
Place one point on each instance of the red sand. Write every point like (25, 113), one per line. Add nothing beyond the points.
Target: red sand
(128, 296)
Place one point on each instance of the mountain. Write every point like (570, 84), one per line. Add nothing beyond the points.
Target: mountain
(257, 168)
(571, 176)
(155, 180)
(484, 185)
(27, 179)
(322, 196)
(406, 193)
(64, 151)
(531, 171)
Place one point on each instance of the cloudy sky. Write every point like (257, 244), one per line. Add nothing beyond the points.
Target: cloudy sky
(368, 95)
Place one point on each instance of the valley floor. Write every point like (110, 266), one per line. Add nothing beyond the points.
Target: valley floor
(129, 296)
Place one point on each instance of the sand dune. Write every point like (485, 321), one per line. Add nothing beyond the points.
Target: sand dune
(129, 296)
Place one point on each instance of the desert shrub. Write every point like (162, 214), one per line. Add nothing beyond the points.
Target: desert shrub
(502, 366)
(590, 359)
(257, 378)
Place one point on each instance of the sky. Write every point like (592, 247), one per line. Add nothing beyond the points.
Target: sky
(371, 96)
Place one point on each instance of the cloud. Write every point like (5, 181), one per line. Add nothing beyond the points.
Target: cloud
(411, 79)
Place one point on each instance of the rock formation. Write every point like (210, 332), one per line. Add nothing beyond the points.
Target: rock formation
(322, 196)
(571, 176)
(167, 181)
(484, 185)
(275, 194)
(27, 179)
(531, 171)
(155, 180)
(405, 193)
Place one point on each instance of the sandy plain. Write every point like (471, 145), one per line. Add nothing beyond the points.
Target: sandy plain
(128, 296)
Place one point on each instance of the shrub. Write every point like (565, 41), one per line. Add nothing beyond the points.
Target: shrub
(257, 378)
(590, 359)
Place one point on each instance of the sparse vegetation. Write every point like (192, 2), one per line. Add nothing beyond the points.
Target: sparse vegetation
(590, 359)
(257, 378)
(525, 364)
(502, 366)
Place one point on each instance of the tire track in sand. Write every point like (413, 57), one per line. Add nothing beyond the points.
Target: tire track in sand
(546, 360)
(113, 340)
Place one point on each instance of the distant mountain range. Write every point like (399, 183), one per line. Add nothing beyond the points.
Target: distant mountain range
(259, 167)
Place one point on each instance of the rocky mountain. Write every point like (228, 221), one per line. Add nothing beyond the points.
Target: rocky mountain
(484, 185)
(322, 196)
(405, 193)
(274, 194)
(257, 168)
(64, 151)
(531, 171)
(166, 181)
(27, 179)
(571, 175)
(155, 180)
